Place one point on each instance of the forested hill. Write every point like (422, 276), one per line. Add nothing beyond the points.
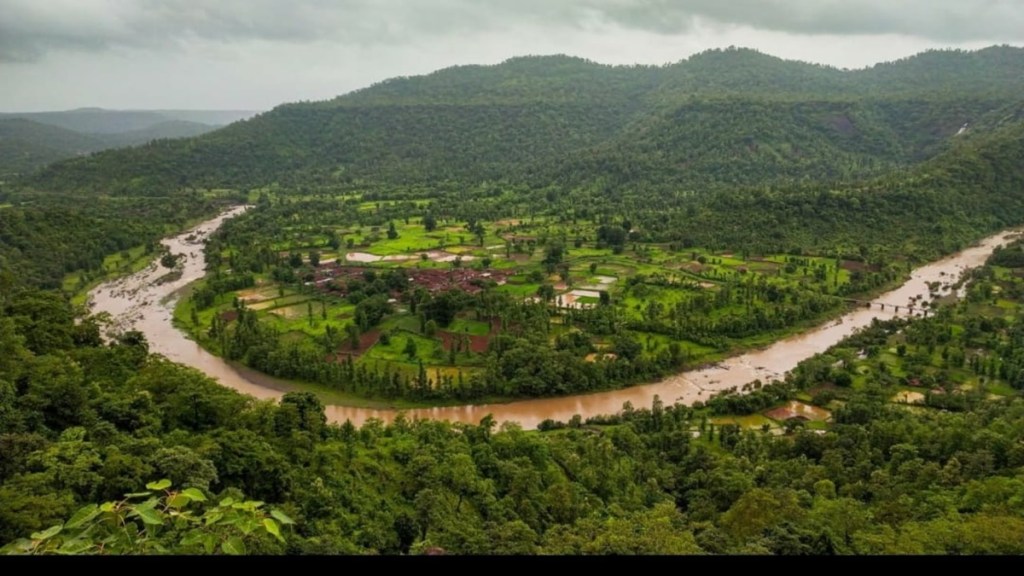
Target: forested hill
(102, 121)
(26, 145)
(31, 140)
(720, 118)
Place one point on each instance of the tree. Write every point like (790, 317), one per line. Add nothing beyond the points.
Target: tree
(443, 307)
(546, 292)
(353, 335)
(169, 260)
(333, 240)
(314, 258)
(626, 346)
(410, 347)
(185, 468)
(553, 255)
(429, 222)
(758, 509)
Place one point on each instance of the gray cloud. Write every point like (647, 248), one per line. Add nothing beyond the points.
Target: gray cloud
(939, 20)
(31, 28)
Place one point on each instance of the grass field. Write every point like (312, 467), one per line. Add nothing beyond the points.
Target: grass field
(472, 327)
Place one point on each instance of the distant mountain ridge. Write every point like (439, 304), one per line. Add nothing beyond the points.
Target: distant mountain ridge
(31, 140)
(103, 121)
(732, 117)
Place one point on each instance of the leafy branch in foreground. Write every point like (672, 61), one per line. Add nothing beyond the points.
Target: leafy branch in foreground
(157, 521)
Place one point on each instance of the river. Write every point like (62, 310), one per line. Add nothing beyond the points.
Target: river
(139, 302)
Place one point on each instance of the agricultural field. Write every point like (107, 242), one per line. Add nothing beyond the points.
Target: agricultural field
(955, 360)
(421, 298)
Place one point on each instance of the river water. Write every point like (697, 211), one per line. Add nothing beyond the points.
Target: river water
(140, 302)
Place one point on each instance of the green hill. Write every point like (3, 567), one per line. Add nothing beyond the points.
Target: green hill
(26, 145)
(29, 141)
(720, 118)
(102, 121)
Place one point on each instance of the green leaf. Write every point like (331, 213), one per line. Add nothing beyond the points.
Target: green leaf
(83, 515)
(74, 547)
(179, 500)
(247, 525)
(195, 494)
(227, 501)
(273, 528)
(233, 546)
(209, 542)
(149, 516)
(48, 533)
(281, 517)
(23, 545)
(159, 485)
(212, 518)
(137, 495)
(192, 538)
(107, 507)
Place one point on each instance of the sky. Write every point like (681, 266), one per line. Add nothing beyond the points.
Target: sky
(255, 54)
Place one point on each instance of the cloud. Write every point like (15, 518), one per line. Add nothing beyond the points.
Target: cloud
(938, 20)
(31, 28)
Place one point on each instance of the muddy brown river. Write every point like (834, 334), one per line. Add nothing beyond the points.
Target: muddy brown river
(141, 302)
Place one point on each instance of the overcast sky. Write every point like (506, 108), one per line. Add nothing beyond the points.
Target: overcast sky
(255, 54)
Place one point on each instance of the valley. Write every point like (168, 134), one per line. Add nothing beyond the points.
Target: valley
(142, 302)
(733, 304)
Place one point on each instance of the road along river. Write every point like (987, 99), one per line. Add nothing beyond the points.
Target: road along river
(141, 302)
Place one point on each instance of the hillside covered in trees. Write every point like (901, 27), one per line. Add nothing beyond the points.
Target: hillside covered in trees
(720, 118)
(29, 141)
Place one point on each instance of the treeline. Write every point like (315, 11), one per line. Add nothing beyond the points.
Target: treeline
(84, 422)
(44, 237)
(519, 361)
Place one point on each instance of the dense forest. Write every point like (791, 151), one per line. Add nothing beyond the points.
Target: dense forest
(85, 423)
(46, 237)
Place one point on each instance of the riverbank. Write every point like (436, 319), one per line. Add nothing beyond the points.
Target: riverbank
(139, 302)
(115, 267)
